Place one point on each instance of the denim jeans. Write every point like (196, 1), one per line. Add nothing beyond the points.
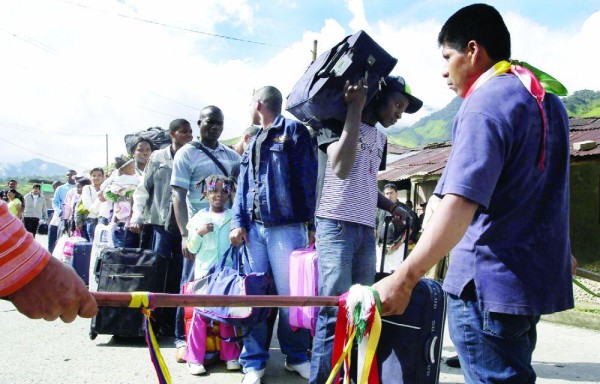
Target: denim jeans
(269, 248)
(124, 238)
(52, 237)
(346, 257)
(168, 246)
(90, 225)
(492, 347)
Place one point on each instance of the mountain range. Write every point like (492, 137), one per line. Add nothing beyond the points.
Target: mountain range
(31, 168)
(437, 127)
(434, 128)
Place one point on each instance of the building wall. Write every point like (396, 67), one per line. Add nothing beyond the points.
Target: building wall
(585, 212)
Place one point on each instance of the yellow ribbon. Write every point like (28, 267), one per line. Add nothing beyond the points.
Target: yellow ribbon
(340, 361)
(371, 348)
(139, 300)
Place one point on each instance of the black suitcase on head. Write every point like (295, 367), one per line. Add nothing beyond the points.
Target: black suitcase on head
(126, 270)
(410, 346)
(317, 99)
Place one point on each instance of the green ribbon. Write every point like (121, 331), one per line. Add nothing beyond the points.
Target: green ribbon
(549, 83)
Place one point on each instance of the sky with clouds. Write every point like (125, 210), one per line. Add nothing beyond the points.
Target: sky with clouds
(74, 71)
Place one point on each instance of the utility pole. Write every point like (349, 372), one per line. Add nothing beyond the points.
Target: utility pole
(314, 51)
(106, 138)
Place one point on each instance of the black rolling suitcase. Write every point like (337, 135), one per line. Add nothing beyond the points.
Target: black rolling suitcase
(410, 346)
(81, 260)
(317, 98)
(126, 270)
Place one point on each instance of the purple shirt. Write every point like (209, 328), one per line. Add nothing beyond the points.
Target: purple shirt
(517, 248)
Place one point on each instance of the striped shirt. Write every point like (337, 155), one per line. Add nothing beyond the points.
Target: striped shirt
(354, 199)
(21, 257)
(191, 165)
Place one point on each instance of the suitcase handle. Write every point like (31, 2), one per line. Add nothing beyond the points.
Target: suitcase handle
(388, 220)
(333, 59)
(430, 351)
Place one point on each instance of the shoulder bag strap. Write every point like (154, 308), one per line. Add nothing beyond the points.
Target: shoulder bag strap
(201, 147)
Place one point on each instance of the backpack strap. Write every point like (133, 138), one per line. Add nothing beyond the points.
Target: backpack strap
(201, 147)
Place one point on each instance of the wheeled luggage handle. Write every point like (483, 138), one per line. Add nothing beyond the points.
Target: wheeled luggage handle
(387, 220)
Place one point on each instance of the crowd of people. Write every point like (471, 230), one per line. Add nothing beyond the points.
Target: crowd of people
(279, 189)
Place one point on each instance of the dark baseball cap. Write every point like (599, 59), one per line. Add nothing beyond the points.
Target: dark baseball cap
(397, 83)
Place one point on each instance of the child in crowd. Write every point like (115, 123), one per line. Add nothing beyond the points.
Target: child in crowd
(208, 239)
(78, 216)
(118, 189)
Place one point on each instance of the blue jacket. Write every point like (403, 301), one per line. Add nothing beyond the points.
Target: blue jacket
(288, 175)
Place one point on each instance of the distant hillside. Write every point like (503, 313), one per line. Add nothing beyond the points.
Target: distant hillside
(434, 128)
(437, 127)
(584, 103)
(30, 168)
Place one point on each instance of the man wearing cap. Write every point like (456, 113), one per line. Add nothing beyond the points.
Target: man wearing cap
(348, 163)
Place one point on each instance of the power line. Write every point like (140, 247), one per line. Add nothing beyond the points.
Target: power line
(35, 130)
(173, 26)
(40, 154)
(31, 41)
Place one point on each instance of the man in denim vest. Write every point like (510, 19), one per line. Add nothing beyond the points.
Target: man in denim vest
(273, 207)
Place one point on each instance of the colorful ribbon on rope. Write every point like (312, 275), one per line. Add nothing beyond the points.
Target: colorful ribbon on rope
(534, 80)
(143, 300)
(358, 318)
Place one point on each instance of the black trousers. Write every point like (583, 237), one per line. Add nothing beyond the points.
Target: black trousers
(31, 224)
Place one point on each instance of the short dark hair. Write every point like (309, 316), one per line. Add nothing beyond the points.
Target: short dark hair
(479, 22)
(251, 130)
(208, 109)
(12, 190)
(271, 97)
(390, 186)
(97, 169)
(13, 180)
(83, 182)
(142, 140)
(177, 124)
(36, 186)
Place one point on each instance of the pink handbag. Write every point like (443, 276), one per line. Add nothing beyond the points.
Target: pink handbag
(304, 277)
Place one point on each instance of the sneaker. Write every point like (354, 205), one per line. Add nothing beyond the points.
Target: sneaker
(196, 369)
(179, 353)
(303, 369)
(453, 362)
(233, 365)
(253, 377)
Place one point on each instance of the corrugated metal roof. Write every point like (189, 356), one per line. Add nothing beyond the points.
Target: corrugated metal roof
(583, 129)
(428, 161)
(431, 161)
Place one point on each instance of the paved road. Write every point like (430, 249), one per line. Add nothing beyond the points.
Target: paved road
(36, 351)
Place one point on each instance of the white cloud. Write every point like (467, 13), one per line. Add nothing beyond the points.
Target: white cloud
(359, 21)
(87, 72)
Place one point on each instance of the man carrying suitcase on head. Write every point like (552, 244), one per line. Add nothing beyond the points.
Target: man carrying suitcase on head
(504, 189)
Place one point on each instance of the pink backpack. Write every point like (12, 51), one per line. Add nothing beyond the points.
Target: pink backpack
(304, 277)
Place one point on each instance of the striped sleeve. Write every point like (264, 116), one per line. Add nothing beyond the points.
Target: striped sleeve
(21, 257)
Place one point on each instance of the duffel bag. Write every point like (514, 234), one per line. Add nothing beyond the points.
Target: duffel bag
(225, 280)
(159, 138)
(318, 96)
